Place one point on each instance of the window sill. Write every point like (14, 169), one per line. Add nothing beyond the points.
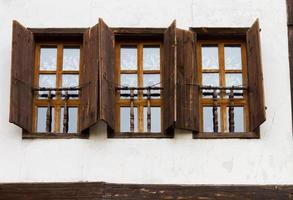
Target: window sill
(140, 135)
(242, 135)
(83, 135)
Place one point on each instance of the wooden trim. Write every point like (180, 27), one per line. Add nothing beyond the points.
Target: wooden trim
(114, 191)
(245, 135)
(83, 135)
(220, 32)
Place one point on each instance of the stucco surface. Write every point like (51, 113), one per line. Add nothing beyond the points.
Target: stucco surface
(181, 160)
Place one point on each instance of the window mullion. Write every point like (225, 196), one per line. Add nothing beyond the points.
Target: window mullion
(140, 84)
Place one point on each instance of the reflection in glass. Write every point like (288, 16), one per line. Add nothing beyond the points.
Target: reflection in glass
(233, 57)
(238, 119)
(208, 125)
(151, 57)
(72, 119)
(210, 79)
(48, 58)
(125, 119)
(233, 79)
(41, 119)
(47, 81)
(151, 80)
(210, 59)
(155, 119)
(128, 57)
(70, 80)
(71, 58)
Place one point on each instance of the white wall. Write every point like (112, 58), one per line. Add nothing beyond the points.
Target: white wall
(182, 160)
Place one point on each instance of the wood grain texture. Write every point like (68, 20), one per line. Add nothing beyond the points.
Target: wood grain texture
(89, 79)
(106, 74)
(219, 32)
(187, 92)
(110, 191)
(169, 66)
(255, 78)
(290, 12)
(22, 70)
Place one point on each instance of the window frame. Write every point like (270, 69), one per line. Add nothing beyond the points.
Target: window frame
(229, 35)
(129, 36)
(55, 37)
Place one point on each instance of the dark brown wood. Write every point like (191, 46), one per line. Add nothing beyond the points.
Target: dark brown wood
(220, 33)
(65, 114)
(89, 79)
(215, 112)
(231, 112)
(255, 78)
(111, 191)
(290, 44)
(131, 110)
(22, 70)
(290, 12)
(106, 74)
(187, 90)
(169, 66)
(49, 114)
(149, 114)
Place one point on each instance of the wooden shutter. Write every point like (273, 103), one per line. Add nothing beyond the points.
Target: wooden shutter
(89, 79)
(255, 78)
(22, 71)
(187, 90)
(106, 74)
(168, 100)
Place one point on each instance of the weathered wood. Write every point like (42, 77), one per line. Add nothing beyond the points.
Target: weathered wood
(187, 90)
(110, 191)
(231, 112)
(255, 78)
(65, 114)
(169, 66)
(215, 112)
(290, 12)
(290, 44)
(149, 114)
(49, 114)
(220, 33)
(131, 110)
(89, 79)
(106, 74)
(22, 70)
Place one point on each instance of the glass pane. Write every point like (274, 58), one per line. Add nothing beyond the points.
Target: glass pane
(71, 58)
(70, 80)
(208, 125)
(151, 80)
(48, 58)
(151, 57)
(155, 119)
(48, 81)
(128, 80)
(72, 119)
(210, 79)
(233, 57)
(128, 57)
(238, 119)
(41, 119)
(210, 58)
(233, 80)
(125, 119)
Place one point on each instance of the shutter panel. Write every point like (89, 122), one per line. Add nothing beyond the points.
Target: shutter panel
(255, 78)
(22, 72)
(168, 100)
(106, 74)
(89, 79)
(187, 92)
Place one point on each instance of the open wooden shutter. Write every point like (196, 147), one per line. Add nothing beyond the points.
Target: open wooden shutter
(187, 91)
(22, 72)
(255, 78)
(89, 79)
(106, 74)
(168, 101)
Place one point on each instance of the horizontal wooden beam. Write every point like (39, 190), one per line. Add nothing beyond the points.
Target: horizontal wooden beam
(109, 191)
(220, 32)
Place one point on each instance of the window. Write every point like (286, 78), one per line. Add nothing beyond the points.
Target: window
(139, 97)
(223, 68)
(56, 101)
(230, 82)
